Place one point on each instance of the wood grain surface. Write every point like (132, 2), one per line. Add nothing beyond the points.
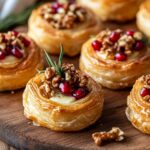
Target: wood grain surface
(19, 132)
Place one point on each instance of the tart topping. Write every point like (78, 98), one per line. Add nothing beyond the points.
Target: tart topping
(115, 134)
(119, 44)
(12, 44)
(63, 15)
(145, 91)
(64, 79)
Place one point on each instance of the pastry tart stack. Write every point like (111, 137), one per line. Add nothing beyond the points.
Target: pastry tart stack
(116, 58)
(143, 18)
(62, 98)
(116, 10)
(138, 111)
(17, 52)
(67, 23)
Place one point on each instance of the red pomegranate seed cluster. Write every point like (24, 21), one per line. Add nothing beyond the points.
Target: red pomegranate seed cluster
(119, 44)
(76, 92)
(12, 43)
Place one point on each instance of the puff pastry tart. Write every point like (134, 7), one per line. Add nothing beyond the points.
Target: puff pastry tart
(17, 52)
(116, 10)
(138, 110)
(143, 18)
(116, 58)
(63, 99)
(65, 23)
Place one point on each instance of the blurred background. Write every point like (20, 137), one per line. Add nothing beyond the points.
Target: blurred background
(16, 12)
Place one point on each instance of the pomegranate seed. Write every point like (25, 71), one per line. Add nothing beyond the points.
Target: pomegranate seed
(57, 5)
(144, 92)
(130, 32)
(16, 52)
(53, 10)
(15, 33)
(80, 93)
(65, 88)
(2, 55)
(71, 2)
(114, 37)
(139, 45)
(121, 57)
(25, 42)
(8, 50)
(96, 45)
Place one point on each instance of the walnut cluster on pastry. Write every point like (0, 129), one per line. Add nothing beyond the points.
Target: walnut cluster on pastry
(62, 98)
(119, 44)
(13, 43)
(145, 91)
(116, 58)
(138, 110)
(17, 52)
(71, 82)
(63, 15)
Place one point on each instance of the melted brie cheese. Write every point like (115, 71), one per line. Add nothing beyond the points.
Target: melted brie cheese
(63, 99)
(11, 61)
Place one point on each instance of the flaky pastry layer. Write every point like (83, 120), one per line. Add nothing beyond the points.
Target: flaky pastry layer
(59, 117)
(117, 10)
(16, 77)
(113, 74)
(49, 38)
(138, 110)
(143, 18)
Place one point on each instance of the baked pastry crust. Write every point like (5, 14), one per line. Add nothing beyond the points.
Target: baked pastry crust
(49, 38)
(115, 10)
(138, 110)
(143, 18)
(59, 117)
(16, 77)
(114, 74)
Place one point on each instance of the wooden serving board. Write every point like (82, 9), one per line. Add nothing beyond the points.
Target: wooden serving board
(19, 132)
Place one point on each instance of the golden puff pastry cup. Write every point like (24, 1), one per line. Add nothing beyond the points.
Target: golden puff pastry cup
(68, 101)
(20, 58)
(68, 24)
(115, 59)
(115, 10)
(138, 110)
(143, 18)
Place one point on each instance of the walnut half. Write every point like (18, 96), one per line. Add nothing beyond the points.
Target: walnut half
(115, 134)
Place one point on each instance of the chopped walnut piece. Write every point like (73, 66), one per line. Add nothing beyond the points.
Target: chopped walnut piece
(49, 73)
(115, 134)
(146, 79)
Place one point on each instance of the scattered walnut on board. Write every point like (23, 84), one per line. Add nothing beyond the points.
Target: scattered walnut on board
(115, 134)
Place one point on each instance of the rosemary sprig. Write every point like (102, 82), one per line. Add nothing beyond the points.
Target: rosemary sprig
(57, 66)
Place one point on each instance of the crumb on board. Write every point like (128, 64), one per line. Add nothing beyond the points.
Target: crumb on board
(12, 92)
